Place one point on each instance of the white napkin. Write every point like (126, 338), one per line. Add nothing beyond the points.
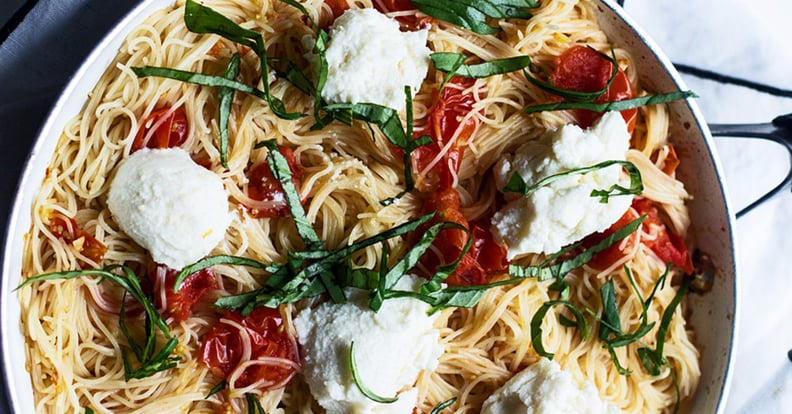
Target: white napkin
(747, 40)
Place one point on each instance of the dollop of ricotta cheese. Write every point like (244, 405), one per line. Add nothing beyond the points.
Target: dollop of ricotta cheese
(370, 60)
(544, 388)
(564, 211)
(168, 204)
(392, 346)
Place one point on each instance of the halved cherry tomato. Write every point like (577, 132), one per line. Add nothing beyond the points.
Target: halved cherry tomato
(170, 129)
(667, 245)
(66, 229)
(269, 342)
(582, 69)
(179, 304)
(262, 186)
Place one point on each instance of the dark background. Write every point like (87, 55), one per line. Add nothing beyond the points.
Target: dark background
(42, 43)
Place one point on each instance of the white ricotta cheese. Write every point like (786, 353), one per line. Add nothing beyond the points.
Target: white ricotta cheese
(371, 61)
(168, 204)
(564, 211)
(543, 388)
(392, 346)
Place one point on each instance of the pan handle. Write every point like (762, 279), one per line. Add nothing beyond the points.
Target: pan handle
(779, 130)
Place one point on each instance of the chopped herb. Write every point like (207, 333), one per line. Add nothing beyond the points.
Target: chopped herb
(473, 14)
(610, 311)
(359, 383)
(149, 361)
(615, 105)
(297, 77)
(253, 404)
(296, 279)
(573, 95)
(203, 19)
(451, 63)
(387, 120)
(443, 405)
(653, 360)
(226, 98)
(281, 171)
(536, 324)
(516, 183)
(217, 388)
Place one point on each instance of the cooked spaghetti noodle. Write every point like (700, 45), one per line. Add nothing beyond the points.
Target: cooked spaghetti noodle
(71, 326)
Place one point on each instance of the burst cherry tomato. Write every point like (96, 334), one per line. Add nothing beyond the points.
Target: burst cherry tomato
(263, 187)
(66, 228)
(582, 69)
(272, 359)
(170, 129)
(179, 304)
(444, 121)
(667, 245)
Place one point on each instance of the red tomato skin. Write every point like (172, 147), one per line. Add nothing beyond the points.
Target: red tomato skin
(444, 118)
(192, 290)
(582, 69)
(221, 349)
(264, 187)
(668, 246)
(66, 229)
(172, 132)
(485, 255)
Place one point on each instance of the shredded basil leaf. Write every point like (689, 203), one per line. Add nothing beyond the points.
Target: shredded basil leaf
(197, 79)
(297, 77)
(203, 19)
(560, 269)
(536, 324)
(149, 361)
(516, 183)
(452, 63)
(226, 98)
(253, 404)
(473, 14)
(653, 360)
(281, 171)
(217, 388)
(610, 311)
(359, 383)
(573, 95)
(296, 279)
(615, 105)
(443, 405)
(387, 120)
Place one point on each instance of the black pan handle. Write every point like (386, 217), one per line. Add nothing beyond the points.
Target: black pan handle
(779, 130)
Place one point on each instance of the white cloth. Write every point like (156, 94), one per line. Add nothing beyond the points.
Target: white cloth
(748, 40)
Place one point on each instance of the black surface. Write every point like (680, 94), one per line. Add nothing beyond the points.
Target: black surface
(46, 42)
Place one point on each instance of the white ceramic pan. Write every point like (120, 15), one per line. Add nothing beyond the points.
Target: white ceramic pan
(713, 314)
